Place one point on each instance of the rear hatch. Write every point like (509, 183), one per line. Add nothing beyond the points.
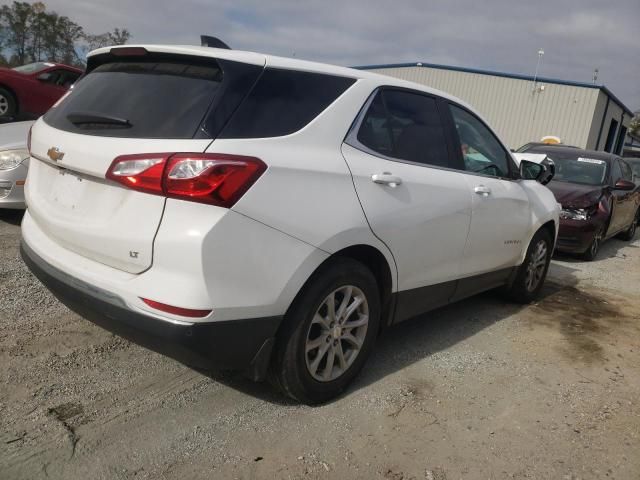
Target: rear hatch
(131, 101)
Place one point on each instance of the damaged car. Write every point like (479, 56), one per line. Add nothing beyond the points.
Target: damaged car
(598, 196)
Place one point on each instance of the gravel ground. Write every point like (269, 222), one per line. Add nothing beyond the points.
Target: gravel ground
(480, 389)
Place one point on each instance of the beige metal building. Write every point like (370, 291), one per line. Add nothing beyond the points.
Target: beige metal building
(523, 109)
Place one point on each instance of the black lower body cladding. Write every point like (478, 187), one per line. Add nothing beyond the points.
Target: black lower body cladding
(236, 344)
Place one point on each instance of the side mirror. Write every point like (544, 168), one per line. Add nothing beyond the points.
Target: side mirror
(541, 172)
(44, 77)
(624, 185)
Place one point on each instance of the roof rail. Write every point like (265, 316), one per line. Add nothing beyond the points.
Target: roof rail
(207, 41)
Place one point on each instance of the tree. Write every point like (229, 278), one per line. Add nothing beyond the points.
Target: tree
(96, 41)
(634, 126)
(115, 37)
(38, 27)
(16, 22)
(119, 37)
(69, 33)
(30, 33)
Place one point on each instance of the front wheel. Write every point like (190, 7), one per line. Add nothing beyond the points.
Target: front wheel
(592, 252)
(327, 333)
(631, 231)
(7, 104)
(531, 274)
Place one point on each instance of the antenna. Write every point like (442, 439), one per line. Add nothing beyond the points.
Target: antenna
(535, 77)
(207, 41)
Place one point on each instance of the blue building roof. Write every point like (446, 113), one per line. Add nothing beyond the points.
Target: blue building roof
(500, 74)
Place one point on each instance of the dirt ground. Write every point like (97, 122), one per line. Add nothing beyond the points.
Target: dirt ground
(481, 389)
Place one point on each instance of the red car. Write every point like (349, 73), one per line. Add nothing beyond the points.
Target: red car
(598, 196)
(30, 90)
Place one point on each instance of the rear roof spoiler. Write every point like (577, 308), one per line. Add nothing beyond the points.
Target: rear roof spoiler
(207, 41)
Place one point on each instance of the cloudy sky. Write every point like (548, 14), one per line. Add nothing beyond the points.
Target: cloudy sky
(577, 36)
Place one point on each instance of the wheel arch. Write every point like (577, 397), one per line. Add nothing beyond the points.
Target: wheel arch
(375, 261)
(550, 226)
(372, 258)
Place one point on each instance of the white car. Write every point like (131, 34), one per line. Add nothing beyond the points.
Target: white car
(270, 214)
(14, 163)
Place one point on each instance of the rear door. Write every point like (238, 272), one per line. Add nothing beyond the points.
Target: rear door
(501, 216)
(399, 155)
(149, 104)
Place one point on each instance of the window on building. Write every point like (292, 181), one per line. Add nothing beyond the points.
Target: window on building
(611, 136)
(620, 142)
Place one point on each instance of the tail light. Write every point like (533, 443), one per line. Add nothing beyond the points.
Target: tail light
(213, 178)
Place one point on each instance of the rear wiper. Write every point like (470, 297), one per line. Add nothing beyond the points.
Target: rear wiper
(98, 120)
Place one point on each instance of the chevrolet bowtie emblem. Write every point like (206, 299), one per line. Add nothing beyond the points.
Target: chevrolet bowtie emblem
(55, 154)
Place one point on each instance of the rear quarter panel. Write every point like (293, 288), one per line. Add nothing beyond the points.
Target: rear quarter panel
(307, 191)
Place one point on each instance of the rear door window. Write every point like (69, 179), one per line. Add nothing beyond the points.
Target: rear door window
(283, 102)
(406, 126)
(140, 99)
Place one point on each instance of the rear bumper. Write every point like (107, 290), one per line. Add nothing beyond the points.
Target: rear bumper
(235, 344)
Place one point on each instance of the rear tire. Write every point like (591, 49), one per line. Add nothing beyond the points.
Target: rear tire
(631, 232)
(320, 349)
(531, 274)
(8, 105)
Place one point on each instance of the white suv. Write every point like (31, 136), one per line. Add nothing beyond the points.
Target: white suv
(273, 215)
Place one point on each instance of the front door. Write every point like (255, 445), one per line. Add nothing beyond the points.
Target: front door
(628, 197)
(501, 211)
(621, 201)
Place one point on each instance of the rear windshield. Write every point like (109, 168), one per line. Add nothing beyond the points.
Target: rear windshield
(140, 99)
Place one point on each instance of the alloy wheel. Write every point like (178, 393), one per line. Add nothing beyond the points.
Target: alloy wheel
(634, 226)
(536, 266)
(337, 333)
(4, 105)
(595, 245)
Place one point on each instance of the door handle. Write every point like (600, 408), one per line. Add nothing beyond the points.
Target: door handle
(482, 190)
(386, 179)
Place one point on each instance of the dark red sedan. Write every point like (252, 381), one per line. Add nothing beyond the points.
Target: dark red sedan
(30, 90)
(598, 197)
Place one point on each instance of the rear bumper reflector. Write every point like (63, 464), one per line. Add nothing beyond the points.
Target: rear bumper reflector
(183, 312)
